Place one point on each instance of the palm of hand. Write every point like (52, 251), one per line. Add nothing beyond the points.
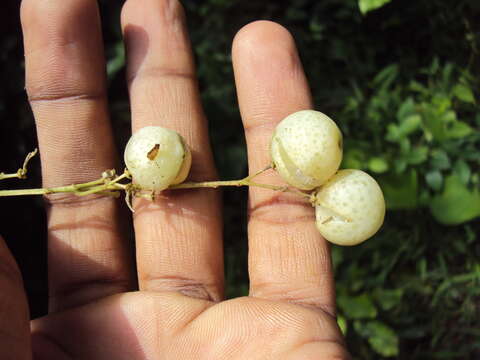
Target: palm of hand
(177, 312)
(152, 325)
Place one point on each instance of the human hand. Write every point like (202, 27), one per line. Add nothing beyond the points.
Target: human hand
(95, 309)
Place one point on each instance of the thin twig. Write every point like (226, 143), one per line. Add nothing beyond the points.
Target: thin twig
(22, 172)
(109, 185)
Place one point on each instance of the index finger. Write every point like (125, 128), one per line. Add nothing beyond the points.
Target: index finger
(288, 259)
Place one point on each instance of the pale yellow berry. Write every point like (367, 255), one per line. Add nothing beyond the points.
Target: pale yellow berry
(349, 207)
(306, 149)
(157, 157)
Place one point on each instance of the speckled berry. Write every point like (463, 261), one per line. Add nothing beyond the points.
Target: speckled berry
(157, 157)
(349, 207)
(306, 149)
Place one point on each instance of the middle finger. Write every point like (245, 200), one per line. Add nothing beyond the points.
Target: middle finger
(178, 236)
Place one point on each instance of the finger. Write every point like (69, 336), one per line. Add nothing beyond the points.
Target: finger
(65, 82)
(178, 237)
(14, 315)
(288, 259)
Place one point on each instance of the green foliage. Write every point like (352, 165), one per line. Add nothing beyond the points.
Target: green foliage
(418, 131)
(369, 5)
(381, 337)
(432, 136)
(456, 204)
(357, 307)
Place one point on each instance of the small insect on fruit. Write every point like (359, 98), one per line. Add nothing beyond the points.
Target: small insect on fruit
(349, 207)
(157, 157)
(306, 149)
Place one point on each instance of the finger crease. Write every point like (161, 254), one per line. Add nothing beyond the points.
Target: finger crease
(313, 304)
(262, 124)
(188, 287)
(107, 285)
(72, 201)
(268, 211)
(334, 341)
(48, 98)
(161, 72)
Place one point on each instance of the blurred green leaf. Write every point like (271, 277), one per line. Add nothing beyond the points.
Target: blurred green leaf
(357, 307)
(400, 165)
(440, 160)
(410, 124)
(337, 256)
(393, 133)
(456, 204)
(354, 159)
(342, 324)
(400, 190)
(388, 298)
(405, 145)
(386, 77)
(447, 73)
(378, 165)
(418, 155)
(407, 108)
(117, 60)
(434, 66)
(380, 336)
(439, 118)
(459, 129)
(462, 170)
(434, 179)
(369, 5)
(418, 87)
(464, 93)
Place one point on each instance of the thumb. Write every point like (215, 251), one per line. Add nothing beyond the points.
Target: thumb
(14, 314)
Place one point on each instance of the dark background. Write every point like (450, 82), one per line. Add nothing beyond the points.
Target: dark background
(401, 81)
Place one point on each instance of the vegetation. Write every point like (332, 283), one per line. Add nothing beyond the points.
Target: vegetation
(401, 79)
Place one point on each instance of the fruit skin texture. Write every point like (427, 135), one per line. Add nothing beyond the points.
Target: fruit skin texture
(306, 149)
(157, 157)
(349, 208)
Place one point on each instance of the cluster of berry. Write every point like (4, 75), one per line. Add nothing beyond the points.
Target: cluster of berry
(306, 150)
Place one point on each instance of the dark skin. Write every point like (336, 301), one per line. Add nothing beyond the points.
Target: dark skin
(170, 304)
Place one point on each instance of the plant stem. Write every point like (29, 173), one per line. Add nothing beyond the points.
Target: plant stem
(215, 184)
(8, 176)
(79, 189)
(25, 192)
(22, 172)
(109, 184)
(242, 182)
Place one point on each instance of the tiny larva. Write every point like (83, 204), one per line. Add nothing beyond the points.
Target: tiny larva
(157, 157)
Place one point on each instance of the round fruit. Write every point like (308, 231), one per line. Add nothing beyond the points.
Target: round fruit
(349, 207)
(157, 158)
(306, 149)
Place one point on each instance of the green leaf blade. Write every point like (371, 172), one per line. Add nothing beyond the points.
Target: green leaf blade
(370, 5)
(357, 307)
(456, 204)
(464, 93)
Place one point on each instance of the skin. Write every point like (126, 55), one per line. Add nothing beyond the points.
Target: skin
(169, 305)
